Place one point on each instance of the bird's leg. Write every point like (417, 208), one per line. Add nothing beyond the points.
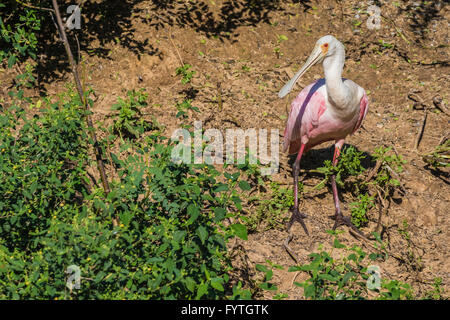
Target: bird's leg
(296, 214)
(339, 218)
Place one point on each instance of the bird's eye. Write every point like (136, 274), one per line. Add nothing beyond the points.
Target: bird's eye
(326, 45)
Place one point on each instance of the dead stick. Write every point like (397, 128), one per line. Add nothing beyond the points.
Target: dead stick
(374, 170)
(219, 96)
(381, 210)
(34, 7)
(176, 49)
(420, 133)
(288, 248)
(98, 150)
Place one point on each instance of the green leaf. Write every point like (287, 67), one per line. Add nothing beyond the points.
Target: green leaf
(310, 291)
(219, 214)
(373, 256)
(99, 277)
(202, 290)
(202, 233)
(328, 277)
(27, 194)
(240, 230)
(190, 284)
(11, 60)
(193, 212)
(261, 267)
(116, 159)
(216, 283)
(282, 37)
(347, 276)
(268, 286)
(294, 269)
(221, 187)
(244, 185)
(237, 202)
(337, 244)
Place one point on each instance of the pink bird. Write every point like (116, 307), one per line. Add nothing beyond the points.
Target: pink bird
(328, 109)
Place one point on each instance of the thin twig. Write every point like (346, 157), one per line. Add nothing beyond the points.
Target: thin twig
(395, 174)
(381, 209)
(288, 249)
(34, 7)
(374, 170)
(219, 96)
(97, 148)
(295, 277)
(179, 56)
(420, 133)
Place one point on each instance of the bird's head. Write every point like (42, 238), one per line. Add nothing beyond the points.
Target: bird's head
(328, 46)
(325, 47)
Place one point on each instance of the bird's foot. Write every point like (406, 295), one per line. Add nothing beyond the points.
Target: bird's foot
(340, 220)
(297, 216)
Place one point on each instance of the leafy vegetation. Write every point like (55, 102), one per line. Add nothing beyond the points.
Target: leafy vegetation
(183, 108)
(349, 164)
(377, 185)
(440, 156)
(174, 219)
(186, 73)
(344, 273)
(129, 121)
(360, 208)
(18, 40)
(271, 211)
(18, 34)
(390, 165)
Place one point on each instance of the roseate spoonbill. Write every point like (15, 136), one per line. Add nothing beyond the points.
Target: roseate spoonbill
(328, 109)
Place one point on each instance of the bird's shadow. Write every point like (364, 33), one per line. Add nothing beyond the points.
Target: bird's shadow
(315, 159)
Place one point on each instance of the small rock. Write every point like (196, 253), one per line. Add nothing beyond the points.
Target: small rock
(417, 186)
(429, 215)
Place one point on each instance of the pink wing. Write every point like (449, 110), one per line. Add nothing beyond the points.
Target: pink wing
(363, 108)
(309, 97)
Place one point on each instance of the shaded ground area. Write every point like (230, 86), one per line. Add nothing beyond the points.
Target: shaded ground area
(243, 52)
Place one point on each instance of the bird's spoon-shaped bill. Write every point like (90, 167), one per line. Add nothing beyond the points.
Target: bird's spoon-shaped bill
(316, 56)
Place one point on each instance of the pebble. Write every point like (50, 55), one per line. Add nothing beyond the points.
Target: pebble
(429, 215)
(417, 186)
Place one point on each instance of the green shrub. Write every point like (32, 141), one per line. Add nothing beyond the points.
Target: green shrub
(349, 164)
(18, 27)
(175, 219)
(343, 273)
(128, 121)
(360, 208)
(186, 75)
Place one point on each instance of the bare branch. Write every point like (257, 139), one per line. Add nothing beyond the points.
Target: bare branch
(34, 7)
(98, 150)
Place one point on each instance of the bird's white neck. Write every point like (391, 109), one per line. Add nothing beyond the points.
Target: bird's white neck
(337, 91)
